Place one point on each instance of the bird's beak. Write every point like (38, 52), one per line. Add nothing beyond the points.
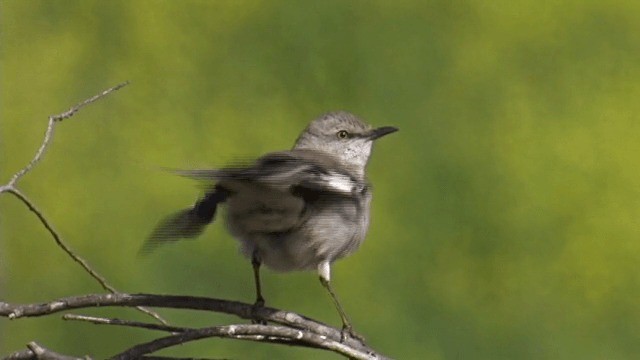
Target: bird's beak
(381, 131)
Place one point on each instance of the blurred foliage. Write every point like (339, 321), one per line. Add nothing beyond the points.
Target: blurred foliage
(505, 210)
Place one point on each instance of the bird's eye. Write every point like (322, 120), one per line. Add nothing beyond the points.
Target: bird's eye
(342, 134)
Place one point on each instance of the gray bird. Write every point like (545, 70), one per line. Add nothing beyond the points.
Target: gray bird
(300, 209)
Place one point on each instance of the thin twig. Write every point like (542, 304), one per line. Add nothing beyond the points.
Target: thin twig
(10, 187)
(69, 113)
(112, 321)
(47, 139)
(36, 351)
(252, 332)
(78, 259)
(99, 278)
(174, 329)
(242, 310)
(48, 135)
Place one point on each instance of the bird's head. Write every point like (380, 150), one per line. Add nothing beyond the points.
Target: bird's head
(344, 136)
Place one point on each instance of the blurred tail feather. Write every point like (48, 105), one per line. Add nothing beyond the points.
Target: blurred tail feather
(185, 224)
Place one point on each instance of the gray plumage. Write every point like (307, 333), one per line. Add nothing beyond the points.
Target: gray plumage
(300, 209)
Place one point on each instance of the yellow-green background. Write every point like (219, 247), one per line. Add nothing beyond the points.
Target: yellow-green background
(506, 211)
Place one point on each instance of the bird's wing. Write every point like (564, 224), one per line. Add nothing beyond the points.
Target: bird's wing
(295, 169)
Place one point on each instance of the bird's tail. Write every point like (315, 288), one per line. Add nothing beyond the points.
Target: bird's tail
(185, 224)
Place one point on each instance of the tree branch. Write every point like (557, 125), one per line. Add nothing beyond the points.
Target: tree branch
(11, 188)
(129, 323)
(173, 329)
(35, 351)
(48, 135)
(251, 332)
(328, 337)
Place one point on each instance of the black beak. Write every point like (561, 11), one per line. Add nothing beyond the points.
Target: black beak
(381, 131)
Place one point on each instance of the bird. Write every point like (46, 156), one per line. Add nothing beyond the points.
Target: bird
(293, 210)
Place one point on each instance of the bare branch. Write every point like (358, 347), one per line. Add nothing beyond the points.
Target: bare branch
(78, 259)
(69, 113)
(35, 351)
(246, 332)
(48, 135)
(172, 329)
(242, 310)
(47, 139)
(120, 322)
(11, 188)
(82, 262)
(176, 330)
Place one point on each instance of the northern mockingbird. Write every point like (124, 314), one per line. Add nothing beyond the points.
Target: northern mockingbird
(300, 209)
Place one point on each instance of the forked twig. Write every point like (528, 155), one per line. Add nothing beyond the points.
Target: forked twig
(289, 328)
(48, 135)
(11, 187)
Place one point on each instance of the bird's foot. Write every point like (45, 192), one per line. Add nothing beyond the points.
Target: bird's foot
(347, 331)
(254, 312)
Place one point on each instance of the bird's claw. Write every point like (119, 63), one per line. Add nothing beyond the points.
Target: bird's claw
(347, 331)
(254, 312)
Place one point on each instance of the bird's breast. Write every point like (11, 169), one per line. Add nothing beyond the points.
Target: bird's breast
(289, 233)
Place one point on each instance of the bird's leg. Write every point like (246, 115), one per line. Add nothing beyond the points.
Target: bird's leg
(324, 269)
(255, 262)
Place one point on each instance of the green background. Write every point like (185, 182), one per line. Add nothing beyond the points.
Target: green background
(506, 211)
